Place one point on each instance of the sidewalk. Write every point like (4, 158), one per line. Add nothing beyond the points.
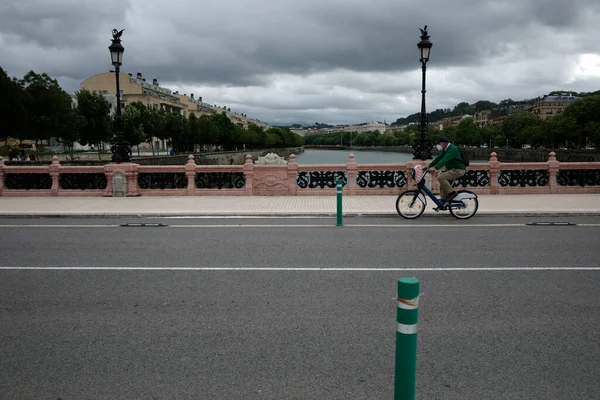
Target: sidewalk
(154, 206)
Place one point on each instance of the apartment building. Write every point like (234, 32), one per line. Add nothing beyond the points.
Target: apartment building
(367, 127)
(552, 105)
(482, 118)
(454, 121)
(135, 89)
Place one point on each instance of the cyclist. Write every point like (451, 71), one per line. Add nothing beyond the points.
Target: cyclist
(450, 158)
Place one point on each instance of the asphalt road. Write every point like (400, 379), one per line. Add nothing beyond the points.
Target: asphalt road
(297, 308)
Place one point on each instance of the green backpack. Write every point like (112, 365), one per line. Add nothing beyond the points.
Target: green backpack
(464, 156)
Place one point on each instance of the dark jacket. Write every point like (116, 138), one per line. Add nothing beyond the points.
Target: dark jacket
(450, 158)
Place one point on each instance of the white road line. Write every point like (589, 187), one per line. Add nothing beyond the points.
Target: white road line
(58, 226)
(245, 217)
(199, 226)
(308, 269)
(346, 226)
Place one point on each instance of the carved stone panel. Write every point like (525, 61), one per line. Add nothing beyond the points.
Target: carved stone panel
(270, 182)
(119, 185)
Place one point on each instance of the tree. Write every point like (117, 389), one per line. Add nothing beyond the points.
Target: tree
(135, 117)
(467, 133)
(463, 108)
(70, 130)
(485, 105)
(154, 126)
(176, 130)
(558, 130)
(515, 123)
(206, 134)
(47, 107)
(94, 110)
(489, 133)
(258, 136)
(585, 113)
(223, 130)
(12, 110)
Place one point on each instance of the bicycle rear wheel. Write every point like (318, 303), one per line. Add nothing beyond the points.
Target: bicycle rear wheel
(464, 208)
(410, 205)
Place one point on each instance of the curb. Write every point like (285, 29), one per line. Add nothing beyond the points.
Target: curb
(292, 214)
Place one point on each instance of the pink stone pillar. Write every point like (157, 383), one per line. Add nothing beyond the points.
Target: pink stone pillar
(553, 167)
(352, 168)
(494, 169)
(108, 192)
(130, 170)
(53, 170)
(292, 170)
(249, 173)
(1, 175)
(190, 172)
(132, 180)
(410, 184)
(435, 184)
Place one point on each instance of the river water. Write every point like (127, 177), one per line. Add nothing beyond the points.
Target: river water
(323, 156)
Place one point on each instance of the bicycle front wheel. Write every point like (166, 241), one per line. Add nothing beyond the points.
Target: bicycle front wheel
(410, 205)
(465, 208)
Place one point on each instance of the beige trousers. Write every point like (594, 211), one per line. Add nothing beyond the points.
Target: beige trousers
(444, 179)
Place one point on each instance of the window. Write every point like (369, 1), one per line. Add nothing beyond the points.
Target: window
(105, 92)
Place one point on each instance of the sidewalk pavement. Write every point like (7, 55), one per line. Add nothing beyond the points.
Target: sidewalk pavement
(158, 206)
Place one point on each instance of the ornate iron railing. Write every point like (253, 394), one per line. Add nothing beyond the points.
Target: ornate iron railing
(474, 178)
(82, 181)
(220, 180)
(523, 177)
(578, 177)
(162, 180)
(381, 179)
(27, 181)
(320, 179)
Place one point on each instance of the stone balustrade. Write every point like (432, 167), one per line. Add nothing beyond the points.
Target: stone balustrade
(280, 179)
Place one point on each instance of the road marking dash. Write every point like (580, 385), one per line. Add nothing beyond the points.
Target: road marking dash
(308, 269)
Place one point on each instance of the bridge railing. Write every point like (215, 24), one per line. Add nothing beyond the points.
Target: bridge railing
(190, 179)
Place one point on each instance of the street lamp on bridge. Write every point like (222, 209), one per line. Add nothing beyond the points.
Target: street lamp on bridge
(422, 146)
(120, 149)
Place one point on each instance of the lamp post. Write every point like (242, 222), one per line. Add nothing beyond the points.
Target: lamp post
(120, 149)
(422, 146)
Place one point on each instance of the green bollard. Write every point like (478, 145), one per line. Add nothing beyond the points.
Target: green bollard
(339, 202)
(407, 316)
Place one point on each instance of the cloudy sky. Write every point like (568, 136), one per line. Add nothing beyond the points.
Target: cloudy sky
(333, 61)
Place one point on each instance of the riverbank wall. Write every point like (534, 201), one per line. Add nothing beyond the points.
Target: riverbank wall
(216, 158)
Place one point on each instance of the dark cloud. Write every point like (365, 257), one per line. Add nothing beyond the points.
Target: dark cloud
(307, 55)
(60, 23)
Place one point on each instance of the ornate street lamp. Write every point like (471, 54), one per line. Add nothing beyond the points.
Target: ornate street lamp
(422, 146)
(120, 147)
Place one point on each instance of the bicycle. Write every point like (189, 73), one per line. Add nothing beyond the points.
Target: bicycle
(463, 206)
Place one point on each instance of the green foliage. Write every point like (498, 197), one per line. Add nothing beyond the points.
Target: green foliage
(585, 116)
(47, 107)
(36, 107)
(135, 117)
(513, 126)
(462, 109)
(12, 109)
(95, 124)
